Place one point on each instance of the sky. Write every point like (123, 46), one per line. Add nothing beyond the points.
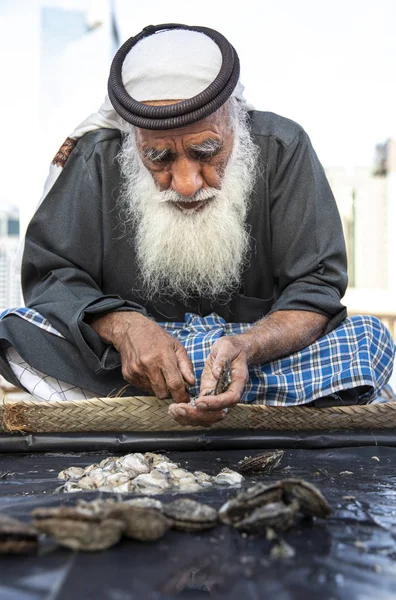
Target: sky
(330, 66)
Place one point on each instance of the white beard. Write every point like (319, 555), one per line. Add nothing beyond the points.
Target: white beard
(183, 253)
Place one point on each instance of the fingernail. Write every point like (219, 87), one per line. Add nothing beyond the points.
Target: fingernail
(201, 405)
(180, 412)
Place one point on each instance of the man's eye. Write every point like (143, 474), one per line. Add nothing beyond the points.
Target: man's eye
(202, 156)
(158, 157)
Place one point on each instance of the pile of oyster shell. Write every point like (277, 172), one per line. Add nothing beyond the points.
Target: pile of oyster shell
(147, 474)
(100, 524)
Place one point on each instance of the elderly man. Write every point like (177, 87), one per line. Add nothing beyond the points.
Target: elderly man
(180, 230)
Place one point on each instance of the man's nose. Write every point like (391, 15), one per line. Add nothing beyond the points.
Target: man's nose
(186, 177)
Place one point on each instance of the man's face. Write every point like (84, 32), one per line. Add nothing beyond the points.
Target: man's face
(188, 159)
(186, 193)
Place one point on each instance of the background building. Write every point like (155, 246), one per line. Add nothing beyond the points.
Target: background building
(10, 294)
(366, 198)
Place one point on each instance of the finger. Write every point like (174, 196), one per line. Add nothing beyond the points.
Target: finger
(185, 365)
(158, 384)
(139, 381)
(228, 398)
(189, 415)
(219, 402)
(174, 381)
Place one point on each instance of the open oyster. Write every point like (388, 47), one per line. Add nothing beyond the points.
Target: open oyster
(16, 537)
(274, 506)
(310, 500)
(246, 501)
(265, 462)
(222, 384)
(79, 528)
(189, 515)
(276, 515)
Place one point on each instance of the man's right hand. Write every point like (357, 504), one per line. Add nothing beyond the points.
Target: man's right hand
(151, 359)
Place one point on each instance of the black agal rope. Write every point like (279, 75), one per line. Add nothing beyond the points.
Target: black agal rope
(182, 113)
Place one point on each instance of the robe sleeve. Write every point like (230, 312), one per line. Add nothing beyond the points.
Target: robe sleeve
(62, 262)
(308, 247)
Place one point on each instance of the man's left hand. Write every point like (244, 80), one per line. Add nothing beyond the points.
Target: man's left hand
(211, 409)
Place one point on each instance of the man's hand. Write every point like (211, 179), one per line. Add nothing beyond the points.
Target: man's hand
(210, 409)
(279, 334)
(151, 359)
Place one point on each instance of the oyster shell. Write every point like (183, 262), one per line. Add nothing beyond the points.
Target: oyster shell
(265, 462)
(276, 515)
(189, 515)
(224, 381)
(145, 502)
(228, 477)
(245, 502)
(78, 528)
(16, 537)
(310, 500)
(142, 524)
(222, 384)
(274, 506)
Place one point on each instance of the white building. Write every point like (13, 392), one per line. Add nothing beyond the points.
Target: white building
(366, 198)
(10, 285)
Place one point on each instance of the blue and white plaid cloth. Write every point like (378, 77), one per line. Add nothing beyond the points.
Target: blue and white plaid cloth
(360, 352)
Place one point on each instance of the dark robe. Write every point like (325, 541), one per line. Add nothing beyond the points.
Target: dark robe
(78, 262)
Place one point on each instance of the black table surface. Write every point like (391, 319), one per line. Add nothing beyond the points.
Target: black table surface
(351, 555)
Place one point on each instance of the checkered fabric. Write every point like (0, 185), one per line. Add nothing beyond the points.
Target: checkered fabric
(33, 317)
(360, 352)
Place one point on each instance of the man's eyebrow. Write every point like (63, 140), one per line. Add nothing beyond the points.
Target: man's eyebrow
(156, 155)
(209, 146)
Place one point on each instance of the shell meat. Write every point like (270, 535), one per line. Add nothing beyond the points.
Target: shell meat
(135, 462)
(16, 537)
(228, 477)
(72, 473)
(147, 474)
(189, 515)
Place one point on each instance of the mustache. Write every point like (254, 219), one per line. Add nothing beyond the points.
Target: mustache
(173, 196)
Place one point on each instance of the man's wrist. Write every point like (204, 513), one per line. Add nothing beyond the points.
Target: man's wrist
(112, 326)
(250, 343)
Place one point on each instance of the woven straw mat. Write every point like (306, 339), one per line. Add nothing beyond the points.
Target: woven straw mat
(147, 413)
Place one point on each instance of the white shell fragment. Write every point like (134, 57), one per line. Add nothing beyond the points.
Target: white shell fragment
(149, 474)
